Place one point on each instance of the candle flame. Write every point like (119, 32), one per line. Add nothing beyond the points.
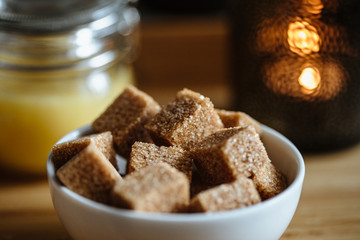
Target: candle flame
(303, 38)
(309, 79)
(314, 7)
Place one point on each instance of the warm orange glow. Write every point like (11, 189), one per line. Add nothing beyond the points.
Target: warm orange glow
(306, 71)
(306, 79)
(309, 79)
(303, 39)
(313, 6)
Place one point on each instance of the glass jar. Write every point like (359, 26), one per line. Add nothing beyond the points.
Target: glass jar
(295, 66)
(61, 64)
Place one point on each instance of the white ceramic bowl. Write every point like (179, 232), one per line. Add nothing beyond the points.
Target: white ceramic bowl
(86, 219)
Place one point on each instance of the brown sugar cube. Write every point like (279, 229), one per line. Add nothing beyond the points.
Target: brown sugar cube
(144, 154)
(89, 174)
(237, 119)
(228, 153)
(155, 188)
(63, 152)
(125, 118)
(237, 194)
(184, 121)
(269, 181)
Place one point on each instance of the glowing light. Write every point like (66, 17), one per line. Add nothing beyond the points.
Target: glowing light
(309, 79)
(85, 44)
(303, 38)
(313, 6)
(83, 36)
(98, 83)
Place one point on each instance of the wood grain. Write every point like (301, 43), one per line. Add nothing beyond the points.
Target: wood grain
(330, 203)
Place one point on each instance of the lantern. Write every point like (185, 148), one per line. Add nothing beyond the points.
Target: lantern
(295, 66)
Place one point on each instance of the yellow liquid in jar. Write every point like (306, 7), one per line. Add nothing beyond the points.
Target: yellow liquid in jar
(32, 122)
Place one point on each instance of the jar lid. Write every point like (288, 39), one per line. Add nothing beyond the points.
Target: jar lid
(45, 15)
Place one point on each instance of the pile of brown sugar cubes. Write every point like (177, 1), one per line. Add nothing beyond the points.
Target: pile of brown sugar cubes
(184, 157)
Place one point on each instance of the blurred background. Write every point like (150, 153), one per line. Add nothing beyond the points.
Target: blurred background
(183, 44)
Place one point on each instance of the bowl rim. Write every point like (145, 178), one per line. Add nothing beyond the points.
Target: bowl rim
(178, 217)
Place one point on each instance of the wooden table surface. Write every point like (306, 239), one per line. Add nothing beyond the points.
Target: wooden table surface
(329, 207)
